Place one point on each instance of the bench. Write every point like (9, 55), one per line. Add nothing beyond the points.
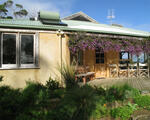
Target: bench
(85, 76)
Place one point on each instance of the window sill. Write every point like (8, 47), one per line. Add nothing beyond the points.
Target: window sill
(19, 68)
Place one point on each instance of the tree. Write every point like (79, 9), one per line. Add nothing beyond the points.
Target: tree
(11, 10)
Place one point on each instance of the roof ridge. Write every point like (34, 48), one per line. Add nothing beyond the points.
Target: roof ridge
(80, 13)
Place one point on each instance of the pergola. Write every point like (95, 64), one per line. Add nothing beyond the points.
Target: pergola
(135, 46)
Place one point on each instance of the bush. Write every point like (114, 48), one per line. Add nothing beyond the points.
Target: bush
(77, 104)
(68, 74)
(100, 91)
(131, 92)
(121, 93)
(52, 84)
(143, 101)
(101, 110)
(123, 112)
(10, 105)
(115, 93)
(1, 78)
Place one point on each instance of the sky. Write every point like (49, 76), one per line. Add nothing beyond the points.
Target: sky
(129, 13)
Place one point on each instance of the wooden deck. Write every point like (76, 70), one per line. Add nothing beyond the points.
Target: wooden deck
(139, 83)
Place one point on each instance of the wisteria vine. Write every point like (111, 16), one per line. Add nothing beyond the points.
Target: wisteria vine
(82, 42)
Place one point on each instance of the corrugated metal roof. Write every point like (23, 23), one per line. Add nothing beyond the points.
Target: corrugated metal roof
(103, 28)
(73, 26)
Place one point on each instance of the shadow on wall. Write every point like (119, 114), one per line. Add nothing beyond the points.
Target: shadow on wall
(17, 77)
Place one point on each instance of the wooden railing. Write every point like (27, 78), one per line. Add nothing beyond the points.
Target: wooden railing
(129, 70)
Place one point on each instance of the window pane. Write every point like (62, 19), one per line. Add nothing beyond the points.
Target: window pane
(27, 49)
(80, 58)
(9, 49)
(134, 58)
(102, 55)
(124, 55)
(97, 61)
(99, 56)
(141, 58)
(101, 60)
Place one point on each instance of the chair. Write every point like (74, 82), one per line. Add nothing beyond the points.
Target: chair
(113, 70)
(143, 70)
(133, 70)
(123, 70)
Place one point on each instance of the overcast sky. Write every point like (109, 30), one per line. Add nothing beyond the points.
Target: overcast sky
(129, 13)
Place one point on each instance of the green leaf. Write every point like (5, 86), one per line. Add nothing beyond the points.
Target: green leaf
(21, 13)
(19, 6)
(8, 3)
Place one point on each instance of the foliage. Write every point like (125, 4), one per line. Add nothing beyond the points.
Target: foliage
(132, 93)
(76, 104)
(100, 91)
(50, 102)
(118, 92)
(52, 84)
(101, 109)
(114, 93)
(1, 78)
(84, 98)
(10, 105)
(123, 112)
(9, 9)
(143, 101)
(81, 41)
(68, 74)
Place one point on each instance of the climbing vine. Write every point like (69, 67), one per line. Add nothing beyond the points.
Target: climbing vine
(81, 41)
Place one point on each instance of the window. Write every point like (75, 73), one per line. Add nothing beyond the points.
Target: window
(124, 57)
(9, 49)
(80, 58)
(27, 49)
(99, 56)
(77, 59)
(142, 58)
(18, 50)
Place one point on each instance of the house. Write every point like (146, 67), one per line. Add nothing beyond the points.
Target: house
(32, 49)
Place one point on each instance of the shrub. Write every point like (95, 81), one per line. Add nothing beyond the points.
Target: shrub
(143, 101)
(81, 102)
(52, 84)
(121, 93)
(115, 93)
(10, 105)
(100, 91)
(101, 110)
(62, 112)
(131, 92)
(68, 74)
(1, 78)
(30, 93)
(34, 101)
(123, 112)
(53, 89)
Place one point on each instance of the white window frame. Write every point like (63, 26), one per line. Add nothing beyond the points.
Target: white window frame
(18, 64)
(34, 51)
(8, 65)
